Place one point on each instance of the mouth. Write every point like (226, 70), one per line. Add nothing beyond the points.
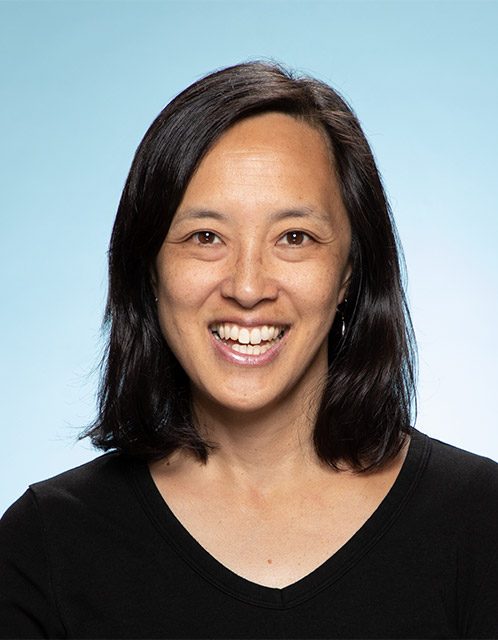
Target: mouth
(248, 340)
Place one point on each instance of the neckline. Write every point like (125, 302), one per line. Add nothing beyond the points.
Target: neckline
(204, 564)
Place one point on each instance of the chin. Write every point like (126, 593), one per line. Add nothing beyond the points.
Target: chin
(247, 403)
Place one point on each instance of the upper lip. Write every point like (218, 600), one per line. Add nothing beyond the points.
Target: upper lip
(253, 322)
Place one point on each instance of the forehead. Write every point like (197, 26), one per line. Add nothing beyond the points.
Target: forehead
(267, 157)
(273, 133)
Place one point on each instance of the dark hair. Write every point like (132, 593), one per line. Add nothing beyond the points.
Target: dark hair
(144, 400)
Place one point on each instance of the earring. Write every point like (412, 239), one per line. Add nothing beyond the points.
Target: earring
(155, 300)
(343, 325)
(343, 321)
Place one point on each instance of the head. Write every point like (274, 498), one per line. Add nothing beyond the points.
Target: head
(145, 398)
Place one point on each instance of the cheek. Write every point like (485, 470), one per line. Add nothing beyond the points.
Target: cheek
(184, 284)
(182, 290)
(315, 289)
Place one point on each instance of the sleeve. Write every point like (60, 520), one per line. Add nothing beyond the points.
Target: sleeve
(27, 605)
(484, 620)
(481, 565)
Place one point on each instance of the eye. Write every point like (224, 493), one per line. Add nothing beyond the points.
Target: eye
(205, 238)
(295, 238)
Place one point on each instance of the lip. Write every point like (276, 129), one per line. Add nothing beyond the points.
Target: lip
(246, 359)
(254, 322)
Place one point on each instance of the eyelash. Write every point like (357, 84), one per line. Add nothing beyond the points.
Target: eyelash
(213, 236)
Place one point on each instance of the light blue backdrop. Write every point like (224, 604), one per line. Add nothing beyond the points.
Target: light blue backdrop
(81, 82)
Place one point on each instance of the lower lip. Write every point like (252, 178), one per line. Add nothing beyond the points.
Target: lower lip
(246, 359)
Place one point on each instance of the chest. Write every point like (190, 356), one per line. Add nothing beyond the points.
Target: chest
(273, 542)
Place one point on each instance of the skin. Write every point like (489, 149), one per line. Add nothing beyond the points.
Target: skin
(268, 176)
(261, 237)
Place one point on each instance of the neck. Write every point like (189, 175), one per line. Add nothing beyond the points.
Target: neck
(262, 446)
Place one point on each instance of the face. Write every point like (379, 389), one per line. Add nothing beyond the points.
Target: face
(254, 265)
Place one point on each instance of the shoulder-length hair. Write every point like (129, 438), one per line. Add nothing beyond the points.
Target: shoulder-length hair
(144, 399)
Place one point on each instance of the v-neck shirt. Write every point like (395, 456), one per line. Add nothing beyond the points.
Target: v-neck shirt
(322, 577)
(97, 553)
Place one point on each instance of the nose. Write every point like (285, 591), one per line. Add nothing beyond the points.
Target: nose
(251, 279)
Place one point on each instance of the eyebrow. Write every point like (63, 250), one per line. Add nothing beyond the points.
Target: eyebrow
(275, 216)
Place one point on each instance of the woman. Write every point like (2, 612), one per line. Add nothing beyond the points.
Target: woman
(263, 478)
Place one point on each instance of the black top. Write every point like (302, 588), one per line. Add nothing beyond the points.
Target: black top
(96, 553)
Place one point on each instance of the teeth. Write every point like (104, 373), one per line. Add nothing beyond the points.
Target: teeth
(248, 341)
(248, 349)
(244, 336)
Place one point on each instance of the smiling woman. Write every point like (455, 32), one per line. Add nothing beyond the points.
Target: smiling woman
(309, 162)
(256, 399)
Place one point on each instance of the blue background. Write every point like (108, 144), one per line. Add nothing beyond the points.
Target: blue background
(81, 82)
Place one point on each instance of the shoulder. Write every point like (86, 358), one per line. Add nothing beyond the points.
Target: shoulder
(109, 467)
(83, 506)
(459, 509)
(69, 525)
(459, 468)
(457, 486)
(102, 483)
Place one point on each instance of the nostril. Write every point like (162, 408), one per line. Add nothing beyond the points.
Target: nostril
(248, 290)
